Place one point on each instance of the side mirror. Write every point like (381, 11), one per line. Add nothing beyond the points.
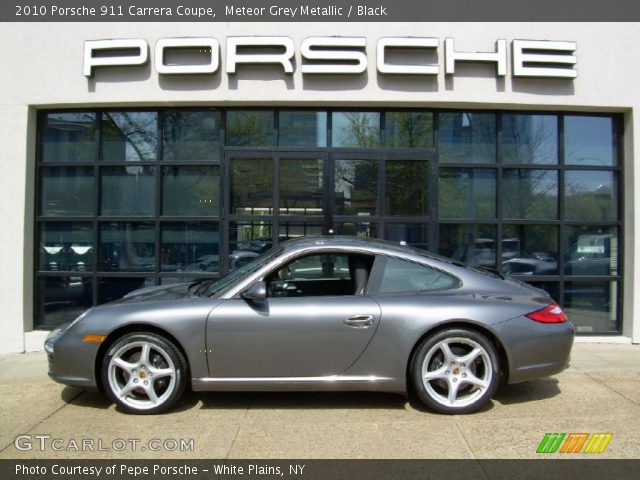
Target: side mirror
(256, 292)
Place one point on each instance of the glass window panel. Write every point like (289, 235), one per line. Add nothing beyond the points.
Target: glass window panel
(191, 190)
(356, 129)
(414, 234)
(530, 250)
(110, 289)
(66, 246)
(302, 129)
(401, 276)
(467, 193)
(591, 250)
(67, 191)
(252, 186)
(129, 136)
(298, 229)
(301, 186)
(529, 139)
(127, 190)
(466, 137)
(127, 247)
(591, 195)
(357, 229)
(472, 244)
(69, 137)
(406, 188)
(530, 194)
(356, 187)
(588, 141)
(191, 135)
(250, 128)
(592, 306)
(249, 238)
(409, 129)
(552, 288)
(63, 299)
(190, 247)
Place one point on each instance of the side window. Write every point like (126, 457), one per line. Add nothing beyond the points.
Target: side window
(321, 274)
(401, 276)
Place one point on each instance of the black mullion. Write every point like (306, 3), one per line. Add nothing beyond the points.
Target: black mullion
(382, 192)
(159, 197)
(96, 209)
(275, 201)
(329, 201)
(499, 193)
(561, 209)
(434, 178)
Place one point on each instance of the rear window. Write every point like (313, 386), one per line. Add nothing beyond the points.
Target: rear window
(400, 276)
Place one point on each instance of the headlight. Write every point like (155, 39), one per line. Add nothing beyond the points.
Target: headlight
(48, 347)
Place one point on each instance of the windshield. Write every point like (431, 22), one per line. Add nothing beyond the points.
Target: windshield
(217, 287)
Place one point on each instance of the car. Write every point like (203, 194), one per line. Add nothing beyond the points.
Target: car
(320, 313)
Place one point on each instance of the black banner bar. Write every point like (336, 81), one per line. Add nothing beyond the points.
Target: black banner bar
(543, 468)
(317, 10)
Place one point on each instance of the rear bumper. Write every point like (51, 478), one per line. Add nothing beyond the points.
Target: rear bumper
(534, 349)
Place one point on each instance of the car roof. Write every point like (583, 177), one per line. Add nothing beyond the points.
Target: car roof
(363, 243)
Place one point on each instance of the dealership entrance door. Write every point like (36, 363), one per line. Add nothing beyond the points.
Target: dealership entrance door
(271, 196)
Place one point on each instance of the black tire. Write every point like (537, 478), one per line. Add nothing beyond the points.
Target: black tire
(148, 395)
(471, 382)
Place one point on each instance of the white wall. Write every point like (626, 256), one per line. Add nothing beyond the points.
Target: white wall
(42, 67)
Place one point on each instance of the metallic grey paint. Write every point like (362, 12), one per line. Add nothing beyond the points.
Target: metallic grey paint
(351, 342)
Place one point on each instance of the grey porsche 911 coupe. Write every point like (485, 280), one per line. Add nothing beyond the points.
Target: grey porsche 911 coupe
(320, 313)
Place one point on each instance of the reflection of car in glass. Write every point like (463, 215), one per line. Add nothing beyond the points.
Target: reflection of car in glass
(590, 255)
(536, 263)
(320, 313)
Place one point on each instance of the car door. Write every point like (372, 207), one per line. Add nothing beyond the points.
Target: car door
(312, 324)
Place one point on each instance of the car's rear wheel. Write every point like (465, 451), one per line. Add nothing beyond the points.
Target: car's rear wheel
(144, 373)
(455, 371)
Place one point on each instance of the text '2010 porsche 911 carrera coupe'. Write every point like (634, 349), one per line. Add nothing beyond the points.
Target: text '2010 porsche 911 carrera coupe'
(320, 313)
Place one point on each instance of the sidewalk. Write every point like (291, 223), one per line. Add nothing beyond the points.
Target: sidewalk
(599, 393)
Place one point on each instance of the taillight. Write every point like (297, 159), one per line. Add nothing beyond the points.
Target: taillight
(549, 314)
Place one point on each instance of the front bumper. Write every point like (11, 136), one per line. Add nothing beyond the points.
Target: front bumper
(71, 361)
(535, 349)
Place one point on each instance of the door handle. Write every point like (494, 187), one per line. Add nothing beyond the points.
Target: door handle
(359, 321)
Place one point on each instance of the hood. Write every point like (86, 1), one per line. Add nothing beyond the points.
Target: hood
(162, 292)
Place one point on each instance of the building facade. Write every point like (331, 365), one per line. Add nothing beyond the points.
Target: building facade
(209, 143)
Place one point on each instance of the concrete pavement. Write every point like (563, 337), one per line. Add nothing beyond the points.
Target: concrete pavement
(599, 393)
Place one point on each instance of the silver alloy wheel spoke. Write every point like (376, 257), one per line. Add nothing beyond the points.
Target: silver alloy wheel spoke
(473, 380)
(151, 393)
(127, 389)
(471, 356)
(438, 374)
(446, 350)
(161, 372)
(126, 366)
(144, 354)
(452, 395)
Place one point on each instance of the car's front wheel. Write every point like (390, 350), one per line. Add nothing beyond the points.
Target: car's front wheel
(144, 373)
(455, 371)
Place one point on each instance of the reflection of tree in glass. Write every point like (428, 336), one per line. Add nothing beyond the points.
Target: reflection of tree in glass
(467, 137)
(301, 185)
(588, 199)
(129, 136)
(358, 129)
(249, 128)
(531, 194)
(191, 135)
(467, 193)
(406, 188)
(356, 186)
(409, 129)
(530, 139)
(251, 185)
